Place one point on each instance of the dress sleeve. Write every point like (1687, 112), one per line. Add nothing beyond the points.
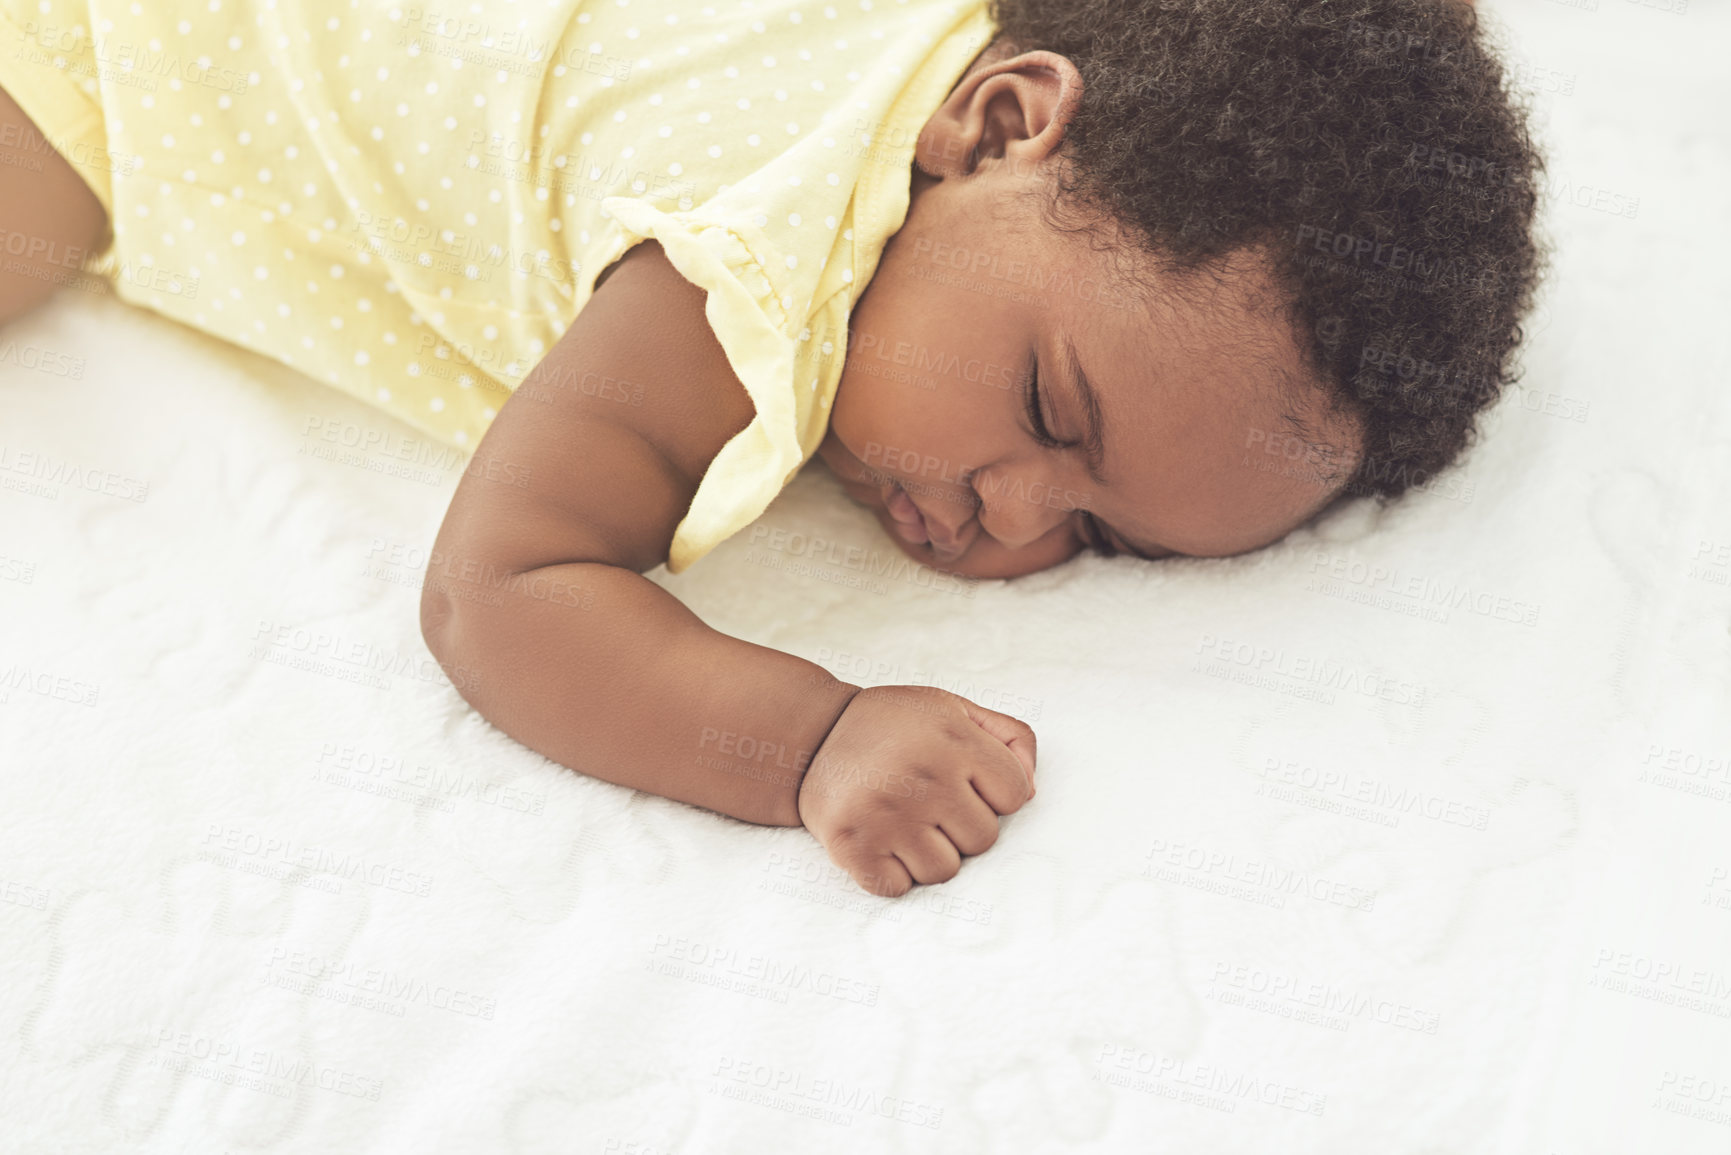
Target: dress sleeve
(757, 318)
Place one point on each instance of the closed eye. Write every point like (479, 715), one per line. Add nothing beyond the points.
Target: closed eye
(1093, 535)
(1031, 398)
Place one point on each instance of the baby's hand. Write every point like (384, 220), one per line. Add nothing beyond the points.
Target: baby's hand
(909, 780)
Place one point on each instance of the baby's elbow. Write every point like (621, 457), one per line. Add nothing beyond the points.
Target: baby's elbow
(437, 627)
(445, 630)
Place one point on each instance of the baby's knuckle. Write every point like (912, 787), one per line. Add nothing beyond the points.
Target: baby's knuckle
(919, 774)
(876, 805)
(959, 729)
(882, 885)
(845, 838)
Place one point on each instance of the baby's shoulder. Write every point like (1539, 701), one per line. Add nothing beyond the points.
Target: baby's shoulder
(599, 453)
(646, 344)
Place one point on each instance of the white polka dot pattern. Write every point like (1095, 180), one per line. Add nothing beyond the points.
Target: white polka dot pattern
(411, 202)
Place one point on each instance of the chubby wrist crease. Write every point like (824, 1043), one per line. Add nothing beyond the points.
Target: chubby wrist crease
(853, 692)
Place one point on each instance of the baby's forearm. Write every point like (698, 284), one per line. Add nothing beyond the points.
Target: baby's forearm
(602, 670)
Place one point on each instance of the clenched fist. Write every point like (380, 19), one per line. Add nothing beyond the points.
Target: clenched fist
(911, 779)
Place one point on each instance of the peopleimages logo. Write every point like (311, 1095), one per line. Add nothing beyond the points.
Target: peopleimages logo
(1318, 674)
(1167, 1075)
(230, 1061)
(1186, 863)
(123, 62)
(53, 471)
(316, 858)
(814, 548)
(797, 1092)
(41, 360)
(41, 249)
(1391, 587)
(1028, 274)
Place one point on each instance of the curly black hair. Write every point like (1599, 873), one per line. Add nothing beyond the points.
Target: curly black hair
(1372, 148)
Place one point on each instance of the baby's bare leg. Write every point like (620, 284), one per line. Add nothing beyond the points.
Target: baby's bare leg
(46, 211)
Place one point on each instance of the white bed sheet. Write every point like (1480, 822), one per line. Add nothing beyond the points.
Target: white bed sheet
(1468, 892)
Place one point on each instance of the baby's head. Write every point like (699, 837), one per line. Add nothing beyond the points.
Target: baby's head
(1262, 255)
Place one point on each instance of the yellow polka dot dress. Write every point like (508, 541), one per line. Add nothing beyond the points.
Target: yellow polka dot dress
(411, 202)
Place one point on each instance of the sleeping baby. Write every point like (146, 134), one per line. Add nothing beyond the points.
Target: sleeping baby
(1032, 278)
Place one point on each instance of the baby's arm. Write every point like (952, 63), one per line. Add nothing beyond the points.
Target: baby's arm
(536, 606)
(535, 602)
